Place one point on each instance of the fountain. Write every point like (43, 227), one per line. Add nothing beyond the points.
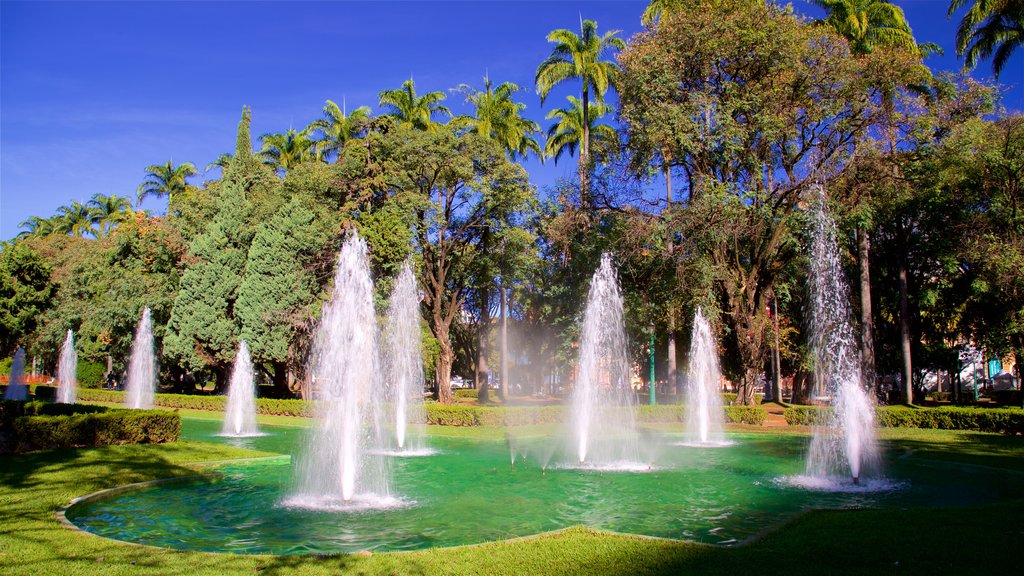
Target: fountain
(704, 417)
(603, 405)
(141, 381)
(342, 468)
(67, 389)
(240, 412)
(16, 389)
(404, 364)
(843, 447)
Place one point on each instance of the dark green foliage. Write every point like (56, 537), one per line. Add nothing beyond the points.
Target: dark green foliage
(279, 283)
(90, 374)
(203, 328)
(268, 406)
(26, 433)
(48, 393)
(10, 409)
(1007, 421)
(25, 292)
(243, 142)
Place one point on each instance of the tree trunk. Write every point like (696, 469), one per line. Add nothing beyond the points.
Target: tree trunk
(776, 355)
(280, 380)
(867, 327)
(444, 370)
(584, 167)
(483, 344)
(673, 379)
(907, 384)
(504, 343)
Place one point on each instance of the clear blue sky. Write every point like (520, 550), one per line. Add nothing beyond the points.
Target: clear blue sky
(92, 92)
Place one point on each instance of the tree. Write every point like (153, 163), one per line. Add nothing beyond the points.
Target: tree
(656, 8)
(279, 287)
(336, 127)
(498, 117)
(411, 110)
(166, 180)
(76, 219)
(569, 132)
(284, 151)
(580, 57)
(755, 106)
(38, 226)
(108, 211)
(26, 290)
(222, 162)
(989, 28)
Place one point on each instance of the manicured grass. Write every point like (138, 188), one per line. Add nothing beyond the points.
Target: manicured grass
(967, 540)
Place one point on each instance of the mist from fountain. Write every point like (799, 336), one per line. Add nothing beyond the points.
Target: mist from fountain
(705, 420)
(240, 410)
(844, 447)
(67, 365)
(603, 421)
(16, 388)
(341, 467)
(140, 383)
(403, 366)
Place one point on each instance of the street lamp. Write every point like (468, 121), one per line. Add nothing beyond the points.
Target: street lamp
(651, 352)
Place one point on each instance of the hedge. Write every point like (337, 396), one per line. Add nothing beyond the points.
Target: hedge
(1003, 420)
(271, 406)
(467, 393)
(99, 428)
(90, 374)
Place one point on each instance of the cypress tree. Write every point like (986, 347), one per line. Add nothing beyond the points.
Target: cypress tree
(243, 143)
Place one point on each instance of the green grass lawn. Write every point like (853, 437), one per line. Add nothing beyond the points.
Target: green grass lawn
(967, 540)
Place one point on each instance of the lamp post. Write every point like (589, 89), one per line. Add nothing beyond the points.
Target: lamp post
(651, 353)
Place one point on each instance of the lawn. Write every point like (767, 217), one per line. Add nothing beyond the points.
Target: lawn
(967, 540)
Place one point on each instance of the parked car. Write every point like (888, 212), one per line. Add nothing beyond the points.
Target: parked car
(459, 382)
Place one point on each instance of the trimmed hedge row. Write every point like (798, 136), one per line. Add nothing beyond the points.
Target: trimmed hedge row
(103, 428)
(1003, 420)
(10, 409)
(270, 406)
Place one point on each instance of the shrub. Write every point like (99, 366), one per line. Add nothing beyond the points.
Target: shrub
(5, 365)
(1007, 421)
(467, 393)
(90, 374)
(42, 392)
(271, 406)
(755, 415)
(451, 415)
(806, 415)
(729, 398)
(98, 428)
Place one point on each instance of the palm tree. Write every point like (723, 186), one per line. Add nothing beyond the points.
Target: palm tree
(411, 110)
(499, 118)
(579, 57)
(38, 227)
(222, 162)
(287, 150)
(568, 132)
(871, 24)
(76, 219)
(657, 8)
(337, 127)
(165, 180)
(990, 28)
(108, 211)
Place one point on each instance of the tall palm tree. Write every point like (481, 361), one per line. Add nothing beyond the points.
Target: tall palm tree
(497, 117)
(336, 127)
(568, 132)
(36, 226)
(411, 110)
(221, 162)
(108, 211)
(288, 149)
(165, 180)
(990, 28)
(76, 219)
(657, 8)
(871, 24)
(580, 57)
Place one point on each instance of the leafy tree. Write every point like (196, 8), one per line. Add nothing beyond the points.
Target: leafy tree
(287, 150)
(755, 106)
(38, 226)
(108, 211)
(568, 132)
(497, 116)
(26, 290)
(279, 288)
(989, 29)
(336, 127)
(166, 180)
(580, 57)
(411, 110)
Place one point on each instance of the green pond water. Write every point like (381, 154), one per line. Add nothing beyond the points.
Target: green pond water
(468, 492)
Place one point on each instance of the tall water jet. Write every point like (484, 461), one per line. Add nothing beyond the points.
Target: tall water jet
(603, 420)
(240, 412)
(67, 365)
(845, 445)
(341, 467)
(141, 381)
(705, 419)
(404, 362)
(16, 389)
